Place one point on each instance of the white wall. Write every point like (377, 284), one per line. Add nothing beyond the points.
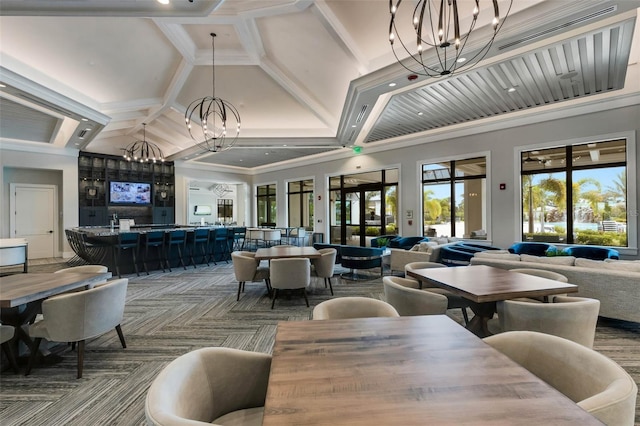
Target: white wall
(45, 168)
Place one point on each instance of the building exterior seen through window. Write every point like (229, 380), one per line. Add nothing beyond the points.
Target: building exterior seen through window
(266, 205)
(300, 203)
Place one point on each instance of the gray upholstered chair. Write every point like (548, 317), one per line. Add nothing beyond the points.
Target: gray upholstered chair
(247, 268)
(219, 386)
(6, 334)
(75, 317)
(454, 301)
(593, 381)
(353, 307)
(408, 300)
(290, 274)
(572, 318)
(324, 265)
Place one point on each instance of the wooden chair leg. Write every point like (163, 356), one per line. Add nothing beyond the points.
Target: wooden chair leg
(121, 336)
(80, 357)
(33, 356)
(6, 347)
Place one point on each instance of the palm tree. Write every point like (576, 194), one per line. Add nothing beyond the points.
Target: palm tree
(619, 189)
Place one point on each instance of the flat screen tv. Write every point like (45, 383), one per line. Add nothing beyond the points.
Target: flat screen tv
(131, 193)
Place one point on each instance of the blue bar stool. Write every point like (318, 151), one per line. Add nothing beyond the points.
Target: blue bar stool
(126, 241)
(176, 238)
(198, 238)
(153, 239)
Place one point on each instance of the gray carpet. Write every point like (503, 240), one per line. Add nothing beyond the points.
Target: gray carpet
(168, 314)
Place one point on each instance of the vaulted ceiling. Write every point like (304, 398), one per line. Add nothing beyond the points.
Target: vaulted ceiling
(308, 77)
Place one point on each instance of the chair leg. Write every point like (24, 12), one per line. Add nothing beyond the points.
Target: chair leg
(239, 289)
(464, 314)
(266, 282)
(304, 293)
(121, 336)
(181, 258)
(80, 357)
(275, 296)
(330, 286)
(6, 347)
(135, 261)
(34, 355)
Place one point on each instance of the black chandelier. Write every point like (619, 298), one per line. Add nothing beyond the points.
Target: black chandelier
(143, 151)
(212, 132)
(437, 24)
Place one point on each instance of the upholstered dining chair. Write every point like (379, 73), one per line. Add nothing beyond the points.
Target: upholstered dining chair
(247, 268)
(353, 307)
(408, 300)
(219, 386)
(6, 334)
(454, 301)
(572, 318)
(76, 317)
(590, 379)
(290, 274)
(325, 264)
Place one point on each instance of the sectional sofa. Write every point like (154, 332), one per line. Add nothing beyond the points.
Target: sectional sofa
(616, 283)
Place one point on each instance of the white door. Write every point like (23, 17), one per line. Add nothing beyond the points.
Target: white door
(33, 217)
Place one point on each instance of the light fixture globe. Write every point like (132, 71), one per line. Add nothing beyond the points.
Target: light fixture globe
(437, 25)
(143, 151)
(213, 123)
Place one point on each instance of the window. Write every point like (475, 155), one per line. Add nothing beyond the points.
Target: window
(576, 194)
(225, 210)
(300, 203)
(266, 202)
(454, 198)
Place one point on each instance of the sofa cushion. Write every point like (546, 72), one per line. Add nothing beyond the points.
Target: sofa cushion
(498, 254)
(553, 260)
(623, 265)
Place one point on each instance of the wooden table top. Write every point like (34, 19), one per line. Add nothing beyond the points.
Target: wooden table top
(276, 252)
(18, 289)
(481, 283)
(423, 370)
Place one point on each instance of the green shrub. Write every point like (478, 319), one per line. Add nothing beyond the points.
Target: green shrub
(600, 238)
(372, 231)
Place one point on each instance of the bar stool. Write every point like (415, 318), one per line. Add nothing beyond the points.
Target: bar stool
(239, 235)
(198, 238)
(272, 237)
(126, 241)
(221, 245)
(153, 239)
(175, 238)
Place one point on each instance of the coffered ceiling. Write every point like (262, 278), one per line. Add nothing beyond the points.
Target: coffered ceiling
(308, 77)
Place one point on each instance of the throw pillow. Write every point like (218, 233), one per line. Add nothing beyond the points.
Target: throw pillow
(558, 260)
(425, 245)
(416, 247)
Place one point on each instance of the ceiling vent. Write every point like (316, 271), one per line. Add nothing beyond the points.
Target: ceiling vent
(83, 132)
(563, 26)
(361, 113)
(353, 133)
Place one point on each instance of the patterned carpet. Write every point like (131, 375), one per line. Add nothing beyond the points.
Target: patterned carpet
(169, 314)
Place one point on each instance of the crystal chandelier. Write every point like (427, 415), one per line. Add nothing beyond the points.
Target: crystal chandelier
(437, 24)
(211, 133)
(143, 151)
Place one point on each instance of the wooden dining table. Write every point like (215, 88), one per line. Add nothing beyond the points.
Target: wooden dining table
(277, 252)
(419, 370)
(22, 294)
(485, 285)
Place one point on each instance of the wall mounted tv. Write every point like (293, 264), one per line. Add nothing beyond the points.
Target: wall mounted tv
(130, 193)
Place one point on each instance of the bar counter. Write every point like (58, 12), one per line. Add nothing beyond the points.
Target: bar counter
(98, 245)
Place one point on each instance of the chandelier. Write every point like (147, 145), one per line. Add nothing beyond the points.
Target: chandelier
(437, 24)
(210, 134)
(143, 151)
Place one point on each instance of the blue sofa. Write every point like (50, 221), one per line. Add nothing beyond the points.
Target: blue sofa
(460, 254)
(532, 248)
(396, 241)
(355, 257)
(593, 253)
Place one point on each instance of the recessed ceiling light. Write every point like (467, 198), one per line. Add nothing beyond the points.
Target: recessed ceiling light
(266, 153)
(420, 113)
(163, 1)
(3, 85)
(392, 84)
(461, 60)
(84, 119)
(354, 125)
(511, 89)
(285, 144)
